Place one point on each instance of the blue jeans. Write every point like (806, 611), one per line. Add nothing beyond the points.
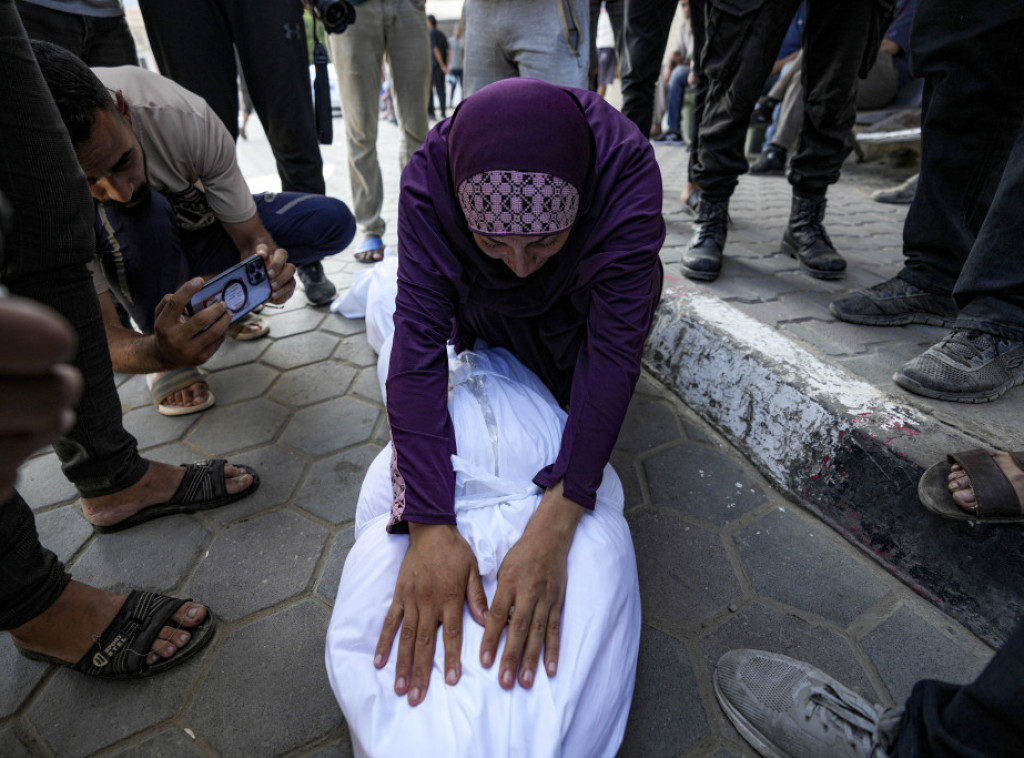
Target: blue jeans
(146, 255)
(963, 230)
(676, 93)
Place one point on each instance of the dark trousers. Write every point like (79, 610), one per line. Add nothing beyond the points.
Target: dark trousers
(982, 718)
(31, 577)
(98, 41)
(698, 15)
(436, 88)
(964, 229)
(146, 255)
(617, 15)
(645, 34)
(46, 257)
(738, 54)
(194, 43)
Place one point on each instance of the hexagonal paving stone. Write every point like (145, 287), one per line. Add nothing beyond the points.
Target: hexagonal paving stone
(783, 551)
(63, 530)
(649, 423)
(235, 353)
(22, 675)
(346, 327)
(313, 384)
(357, 351)
(153, 556)
(667, 715)
(625, 466)
(322, 429)
(294, 322)
(134, 393)
(906, 648)
(258, 563)
(267, 692)
(174, 454)
(332, 488)
(152, 429)
(41, 482)
(11, 745)
(685, 574)
(330, 577)
(299, 350)
(241, 382)
(367, 385)
(703, 482)
(238, 426)
(77, 717)
(339, 749)
(763, 628)
(173, 742)
(279, 471)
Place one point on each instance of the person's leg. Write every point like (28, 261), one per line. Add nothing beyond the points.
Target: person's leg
(980, 718)
(109, 43)
(408, 52)
(488, 24)
(698, 9)
(437, 81)
(645, 33)
(546, 54)
(358, 55)
(46, 259)
(676, 93)
(193, 45)
(791, 115)
(970, 56)
(309, 227)
(271, 40)
(58, 27)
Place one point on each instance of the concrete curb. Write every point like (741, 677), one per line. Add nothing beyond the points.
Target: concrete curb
(843, 449)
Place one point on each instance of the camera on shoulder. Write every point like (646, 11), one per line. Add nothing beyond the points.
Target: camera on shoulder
(335, 15)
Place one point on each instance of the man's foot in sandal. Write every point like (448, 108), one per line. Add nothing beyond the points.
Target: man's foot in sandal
(180, 391)
(194, 395)
(166, 490)
(370, 250)
(249, 327)
(107, 635)
(976, 485)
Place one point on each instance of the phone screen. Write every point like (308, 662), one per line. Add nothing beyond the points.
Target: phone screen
(242, 287)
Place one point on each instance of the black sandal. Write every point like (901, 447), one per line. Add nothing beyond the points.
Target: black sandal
(121, 651)
(996, 498)
(203, 487)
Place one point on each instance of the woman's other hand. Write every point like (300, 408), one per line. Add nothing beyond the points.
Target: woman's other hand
(531, 592)
(438, 574)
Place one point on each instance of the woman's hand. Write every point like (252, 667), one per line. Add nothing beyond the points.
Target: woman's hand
(531, 591)
(438, 574)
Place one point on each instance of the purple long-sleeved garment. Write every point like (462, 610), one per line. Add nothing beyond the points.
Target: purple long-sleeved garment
(580, 322)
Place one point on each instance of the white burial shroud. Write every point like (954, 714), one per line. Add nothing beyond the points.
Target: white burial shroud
(507, 426)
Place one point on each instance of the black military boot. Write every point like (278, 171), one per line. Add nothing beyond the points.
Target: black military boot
(806, 240)
(702, 260)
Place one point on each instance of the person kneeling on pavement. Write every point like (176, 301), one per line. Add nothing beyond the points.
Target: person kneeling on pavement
(172, 206)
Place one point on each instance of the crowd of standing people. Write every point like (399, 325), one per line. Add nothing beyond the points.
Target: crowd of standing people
(529, 235)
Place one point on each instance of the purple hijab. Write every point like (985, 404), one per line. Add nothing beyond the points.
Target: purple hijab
(579, 322)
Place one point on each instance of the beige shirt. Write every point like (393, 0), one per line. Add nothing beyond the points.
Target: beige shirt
(190, 156)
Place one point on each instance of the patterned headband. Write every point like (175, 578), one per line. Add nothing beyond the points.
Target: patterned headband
(517, 202)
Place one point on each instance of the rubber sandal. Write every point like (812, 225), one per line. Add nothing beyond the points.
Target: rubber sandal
(997, 500)
(203, 487)
(164, 385)
(370, 250)
(236, 330)
(120, 652)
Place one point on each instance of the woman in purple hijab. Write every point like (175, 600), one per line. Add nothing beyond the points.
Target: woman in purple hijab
(530, 220)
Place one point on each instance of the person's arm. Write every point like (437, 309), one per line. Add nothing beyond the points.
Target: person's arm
(440, 59)
(251, 238)
(175, 342)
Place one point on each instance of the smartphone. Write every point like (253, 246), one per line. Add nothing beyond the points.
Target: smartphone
(242, 287)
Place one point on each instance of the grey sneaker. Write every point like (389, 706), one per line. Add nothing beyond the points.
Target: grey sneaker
(895, 302)
(319, 289)
(901, 194)
(967, 366)
(788, 709)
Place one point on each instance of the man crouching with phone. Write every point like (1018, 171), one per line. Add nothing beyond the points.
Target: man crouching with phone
(173, 207)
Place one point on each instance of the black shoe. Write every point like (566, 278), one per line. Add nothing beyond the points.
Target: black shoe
(895, 302)
(771, 161)
(319, 289)
(806, 240)
(702, 260)
(762, 113)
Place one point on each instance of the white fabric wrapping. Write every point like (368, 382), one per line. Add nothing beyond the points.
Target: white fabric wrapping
(507, 427)
(372, 296)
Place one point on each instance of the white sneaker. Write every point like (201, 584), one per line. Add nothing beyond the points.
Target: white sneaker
(788, 709)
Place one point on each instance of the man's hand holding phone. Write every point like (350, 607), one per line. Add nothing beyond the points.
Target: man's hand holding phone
(193, 341)
(280, 271)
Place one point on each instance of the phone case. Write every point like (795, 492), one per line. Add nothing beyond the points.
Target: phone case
(242, 287)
